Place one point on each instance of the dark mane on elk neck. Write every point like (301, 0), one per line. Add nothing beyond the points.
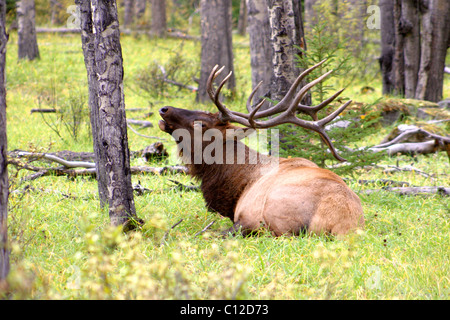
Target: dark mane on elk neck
(223, 184)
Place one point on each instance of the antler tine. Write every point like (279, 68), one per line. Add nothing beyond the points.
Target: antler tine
(312, 110)
(317, 126)
(209, 83)
(253, 112)
(250, 97)
(214, 95)
(216, 98)
(294, 105)
(286, 108)
(284, 103)
(334, 114)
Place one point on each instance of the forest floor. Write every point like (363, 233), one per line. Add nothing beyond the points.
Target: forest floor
(63, 247)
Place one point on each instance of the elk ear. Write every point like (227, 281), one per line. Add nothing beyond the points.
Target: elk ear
(237, 133)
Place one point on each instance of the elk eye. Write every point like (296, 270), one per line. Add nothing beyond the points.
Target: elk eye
(198, 124)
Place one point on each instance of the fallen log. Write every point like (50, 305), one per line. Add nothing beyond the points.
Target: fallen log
(410, 148)
(411, 191)
(67, 168)
(142, 123)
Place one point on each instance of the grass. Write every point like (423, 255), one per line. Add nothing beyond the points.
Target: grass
(63, 247)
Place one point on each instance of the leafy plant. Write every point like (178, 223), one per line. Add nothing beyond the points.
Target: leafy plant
(162, 80)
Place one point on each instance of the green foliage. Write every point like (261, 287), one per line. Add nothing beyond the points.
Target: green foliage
(72, 114)
(323, 45)
(153, 80)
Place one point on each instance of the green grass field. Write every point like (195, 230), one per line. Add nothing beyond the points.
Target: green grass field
(63, 247)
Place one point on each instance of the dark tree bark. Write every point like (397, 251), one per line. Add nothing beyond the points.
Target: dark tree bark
(421, 29)
(440, 21)
(285, 22)
(28, 47)
(87, 39)
(159, 21)
(399, 63)
(261, 51)
(103, 56)
(387, 44)
(4, 186)
(139, 8)
(410, 27)
(217, 45)
(128, 13)
(243, 14)
(310, 14)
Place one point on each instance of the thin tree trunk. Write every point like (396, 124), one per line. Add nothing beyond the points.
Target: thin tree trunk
(109, 118)
(426, 35)
(410, 24)
(139, 8)
(242, 21)
(159, 21)
(28, 47)
(217, 45)
(283, 39)
(387, 44)
(441, 31)
(399, 64)
(128, 13)
(310, 14)
(4, 186)
(87, 39)
(261, 51)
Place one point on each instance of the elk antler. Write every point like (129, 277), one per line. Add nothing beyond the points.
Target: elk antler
(286, 108)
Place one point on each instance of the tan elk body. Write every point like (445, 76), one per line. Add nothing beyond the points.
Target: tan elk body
(286, 196)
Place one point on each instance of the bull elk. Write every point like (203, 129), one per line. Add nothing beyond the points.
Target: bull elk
(291, 197)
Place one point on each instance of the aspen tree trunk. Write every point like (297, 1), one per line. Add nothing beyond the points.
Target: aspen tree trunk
(217, 45)
(399, 63)
(261, 51)
(284, 37)
(410, 23)
(387, 45)
(103, 57)
(243, 18)
(159, 21)
(128, 13)
(4, 186)
(28, 47)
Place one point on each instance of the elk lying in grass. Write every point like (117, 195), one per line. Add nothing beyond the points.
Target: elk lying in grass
(287, 196)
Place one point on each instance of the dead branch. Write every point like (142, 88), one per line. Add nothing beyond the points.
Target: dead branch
(411, 139)
(413, 131)
(426, 147)
(164, 238)
(384, 182)
(67, 168)
(183, 187)
(43, 111)
(204, 229)
(142, 123)
(392, 168)
(181, 85)
(142, 135)
(413, 191)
